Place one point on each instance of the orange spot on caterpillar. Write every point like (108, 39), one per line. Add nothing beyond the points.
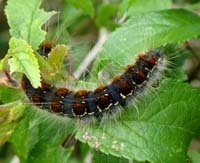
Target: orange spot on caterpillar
(45, 85)
(36, 99)
(141, 75)
(129, 68)
(81, 93)
(45, 49)
(79, 108)
(125, 88)
(56, 106)
(47, 45)
(100, 88)
(152, 61)
(104, 101)
(141, 56)
(62, 92)
(116, 79)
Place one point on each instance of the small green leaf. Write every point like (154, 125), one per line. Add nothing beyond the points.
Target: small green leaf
(159, 129)
(85, 5)
(45, 67)
(56, 56)
(24, 60)
(51, 69)
(10, 115)
(25, 19)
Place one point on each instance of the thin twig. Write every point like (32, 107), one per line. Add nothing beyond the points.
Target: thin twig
(103, 34)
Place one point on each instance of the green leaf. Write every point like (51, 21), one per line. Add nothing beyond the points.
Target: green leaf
(56, 57)
(10, 115)
(158, 130)
(51, 69)
(44, 65)
(132, 7)
(40, 136)
(25, 19)
(49, 72)
(148, 31)
(24, 60)
(85, 5)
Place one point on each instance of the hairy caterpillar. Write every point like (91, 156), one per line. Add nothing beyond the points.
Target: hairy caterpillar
(105, 98)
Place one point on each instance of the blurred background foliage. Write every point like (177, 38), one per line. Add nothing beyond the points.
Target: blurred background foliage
(77, 25)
